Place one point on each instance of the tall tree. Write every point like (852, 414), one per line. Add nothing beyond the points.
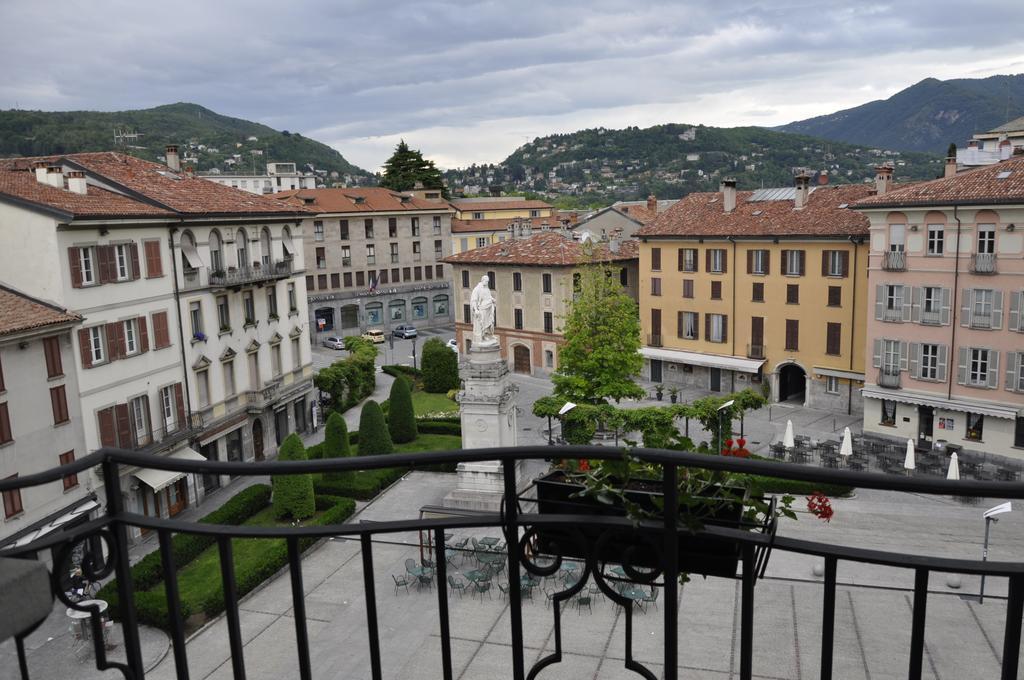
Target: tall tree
(406, 167)
(601, 353)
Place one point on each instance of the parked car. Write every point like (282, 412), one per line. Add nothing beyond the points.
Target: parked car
(374, 335)
(405, 330)
(334, 342)
(452, 345)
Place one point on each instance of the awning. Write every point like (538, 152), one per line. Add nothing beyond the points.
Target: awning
(158, 479)
(964, 405)
(286, 245)
(839, 373)
(81, 510)
(191, 255)
(679, 356)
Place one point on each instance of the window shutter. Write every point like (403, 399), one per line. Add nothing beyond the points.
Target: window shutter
(824, 262)
(845, 257)
(915, 358)
(1012, 364)
(707, 260)
(54, 365)
(179, 404)
(767, 262)
(124, 426)
(961, 367)
(161, 335)
(55, 405)
(655, 258)
(679, 324)
(725, 260)
(750, 261)
(680, 254)
(143, 334)
(915, 307)
(707, 328)
(114, 350)
(1014, 321)
(993, 369)
(944, 313)
(876, 353)
(997, 309)
(134, 250)
(725, 328)
(154, 265)
(104, 260)
(879, 302)
(785, 262)
(5, 424)
(74, 260)
(85, 347)
(108, 428)
(965, 307)
(904, 356)
(803, 261)
(940, 372)
(139, 435)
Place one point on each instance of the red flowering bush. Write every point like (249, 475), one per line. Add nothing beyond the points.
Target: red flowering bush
(819, 505)
(736, 448)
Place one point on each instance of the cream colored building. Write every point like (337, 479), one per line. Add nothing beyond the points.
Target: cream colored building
(479, 222)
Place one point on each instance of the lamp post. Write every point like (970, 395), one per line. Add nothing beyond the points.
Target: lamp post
(568, 406)
(414, 352)
(721, 409)
(990, 518)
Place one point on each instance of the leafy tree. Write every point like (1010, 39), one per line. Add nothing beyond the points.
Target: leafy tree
(602, 342)
(336, 443)
(351, 379)
(406, 167)
(401, 419)
(440, 367)
(293, 494)
(374, 438)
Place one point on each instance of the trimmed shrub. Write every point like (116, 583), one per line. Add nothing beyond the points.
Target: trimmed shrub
(293, 494)
(438, 427)
(352, 379)
(336, 443)
(364, 485)
(316, 451)
(440, 367)
(401, 419)
(374, 439)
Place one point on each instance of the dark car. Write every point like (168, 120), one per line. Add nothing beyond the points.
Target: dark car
(404, 331)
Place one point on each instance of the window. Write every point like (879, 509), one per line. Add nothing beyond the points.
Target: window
(12, 501)
(275, 358)
(656, 259)
(492, 281)
(716, 260)
(1018, 432)
(936, 238)
(131, 337)
(321, 258)
(793, 262)
(688, 288)
(228, 368)
(758, 261)
(437, 225)
(549, 359)
(371, 254)
(241, 246)
(893, 303)
(335, 281)
(792, 335)
(549, 322)
(415, 226)
(203, 387)
(346, 256)
(360, 279)
(223, 313)
(296, 354)
(986, 238)
(792, 294)
(406, 273)
(396, 310)
(96, 347)
(833, 338)
(981, 308)
(481, 241)
(419, 308)
(417, 273)
(54, 367)
(517, 281)
(344, 230)
(716, 290)
(85, 261)
(977, 370)
(59, 404)
(417, 252)
(122, 260)
(757, 294)
(463, 244)
(368, 228)
(716, 325)
(546, 283)
(975, 427)
(688, 322)
(195, 314)
(5, 424)
(687, 259)
(440, 305)
(438, 248)
(891, 357)
(656, 286)
(478, 216)
(534, 213)
(321, 281)
(831, 384)
(293, 305)
(835, 262)
(272, 301)
(138, 412)
(888, 412)
(835, 296)
(928, 366)
(392, 227)
(69, 481)
(374, 313)
(154, 265)
(310, 282)
(518, 318)
(897, 236)
(465, 278)
(318, 230)
(623, 277)
(465, 314)
(249, 306)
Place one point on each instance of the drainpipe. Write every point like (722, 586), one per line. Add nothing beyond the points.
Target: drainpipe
(735, 323)
(954, 307)
(181, 332)
(853, 323)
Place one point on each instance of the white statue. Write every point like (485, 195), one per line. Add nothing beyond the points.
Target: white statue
(481, 304)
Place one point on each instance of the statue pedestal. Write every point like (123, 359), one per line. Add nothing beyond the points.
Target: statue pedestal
(488, 408)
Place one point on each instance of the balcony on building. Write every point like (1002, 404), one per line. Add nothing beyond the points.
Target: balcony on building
(889, 376)
(160, 438)
(255, 274)
(892, 314)
(981, 320)
(755, 351)
(894, 261)
(655, 340)
(983, 263)
(931, 318)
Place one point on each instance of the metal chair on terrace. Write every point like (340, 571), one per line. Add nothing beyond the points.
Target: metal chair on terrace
(400, 582)
(456, 585)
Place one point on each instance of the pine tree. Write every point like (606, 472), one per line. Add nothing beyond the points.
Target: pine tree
(374, 438)
(440, 367)
(336, 443)
(401, 419)
(406, 167)
(292, 494)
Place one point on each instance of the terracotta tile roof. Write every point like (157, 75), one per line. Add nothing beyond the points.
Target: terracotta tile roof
(545, 249)
(637, 210)
(501, 223)
(18, 182)
(826, 214)
(373, 199)
(468, 205)
(19, 312)
(997, 183)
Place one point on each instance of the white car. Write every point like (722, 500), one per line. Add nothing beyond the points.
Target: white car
(334, 342)
(452, 345)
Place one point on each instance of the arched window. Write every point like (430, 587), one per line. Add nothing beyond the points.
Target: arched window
(440, 305)
(396, 310)
(216, 251)
(419, 308)
(242, 248)
(265, 246)
(374, 314)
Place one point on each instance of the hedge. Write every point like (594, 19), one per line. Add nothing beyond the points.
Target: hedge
(363, 486)
(293, 494)
(375, 439)
(401, 421)
(336, 444)
(440, 367)
(352, 379)
(438, 427)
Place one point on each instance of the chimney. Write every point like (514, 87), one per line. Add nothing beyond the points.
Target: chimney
(574, 217)
(652, 204)
(40, 169)
(950, 166)
(55, 176)
(822, 178)
(803, 190)
(728, 189)
(173, 160)
(1005, 149)
(883, 179)
(76, 182)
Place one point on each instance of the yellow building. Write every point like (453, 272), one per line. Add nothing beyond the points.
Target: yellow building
(762, 289)
(479, 222)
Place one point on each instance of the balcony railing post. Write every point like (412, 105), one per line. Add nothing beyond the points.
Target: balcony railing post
(671, 547)
(299, 607)
(441, 560)
(369, 591)
(125, 587)
(170, 571)
(747, 614)
(828, 619)
(917, 625)
(1011, 634)
(511, 529)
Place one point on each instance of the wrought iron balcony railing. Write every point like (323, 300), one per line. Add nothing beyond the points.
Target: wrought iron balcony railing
(525, 554)
(171, 433)
(236, 277)
(655, 340)
(894, 261)
(983, 263)
(889, 377)
(755, 351)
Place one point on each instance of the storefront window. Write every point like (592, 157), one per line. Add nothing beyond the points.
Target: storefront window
(396, 310)
(440, 305)
(888, 412)
(374, 314)
(975, 426)
(419, 308)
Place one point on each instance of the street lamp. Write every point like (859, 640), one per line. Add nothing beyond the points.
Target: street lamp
(414, 352)
(990, 517)
(722, 408)
(568, 406)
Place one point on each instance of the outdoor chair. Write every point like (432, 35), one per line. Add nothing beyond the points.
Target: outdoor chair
(410, 566)
(426, 577)
(581, 602)
(650, 599)
(481, 587)
(549, 596)
(503, 587)
(456, 586)
(400, 582)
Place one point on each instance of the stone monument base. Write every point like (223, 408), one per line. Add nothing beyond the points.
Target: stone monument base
(481, 486)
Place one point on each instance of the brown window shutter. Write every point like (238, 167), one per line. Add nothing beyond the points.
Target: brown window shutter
(134, 250)
(2, 387)
(785, 262)
(846, 262)
(154, 265)
(803, 262)
(124, 426)
(679, 324)
(179, 404)
(51, 350)
(59, 404)
(792, 334)
(113, 348)
(750, 261)
(757, 330)
(707, 328)
(104, 264)
(74, 260)
(832, 340)
(824, 262)
(707, 260)
(5, 424)
(143, 334)
(767, 262)
(655, 258)
(655, 322)
(725, 260)
(725, 328)
(680, 253)
(85, 347)
(161, 335)
(108, 428)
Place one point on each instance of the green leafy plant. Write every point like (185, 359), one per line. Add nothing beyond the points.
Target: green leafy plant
(374, 438)
(293, 494)
(336, 444)
(440, 367)
(401, 419)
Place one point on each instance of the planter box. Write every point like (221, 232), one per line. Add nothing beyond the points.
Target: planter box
(704, 555)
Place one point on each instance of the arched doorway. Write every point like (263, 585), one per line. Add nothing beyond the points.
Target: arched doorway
(521, 359)
(792, 383)
(257, 439)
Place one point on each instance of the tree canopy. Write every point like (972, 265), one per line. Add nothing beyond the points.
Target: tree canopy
(406, 167)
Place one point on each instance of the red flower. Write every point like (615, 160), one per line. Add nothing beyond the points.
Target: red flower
(819, 505)
(728, 443)
(741, 442)
(584, 465)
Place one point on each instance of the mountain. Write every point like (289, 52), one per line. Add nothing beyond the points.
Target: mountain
(36, 133)
(924, 117)
(596, 166)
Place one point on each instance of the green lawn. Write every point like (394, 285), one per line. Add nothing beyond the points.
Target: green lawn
(427, 402)
(431, 442)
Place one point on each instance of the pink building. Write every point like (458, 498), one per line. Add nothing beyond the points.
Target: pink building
(945, 327)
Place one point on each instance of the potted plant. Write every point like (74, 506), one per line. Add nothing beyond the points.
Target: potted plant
(673, 394)
(217, 273)
(659, 391)
(199, 336)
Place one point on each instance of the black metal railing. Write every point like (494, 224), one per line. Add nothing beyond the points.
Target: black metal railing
(231, 277)
(160, 437)
(889, 377)
(894, 261)
(518, 526)
(755, 351)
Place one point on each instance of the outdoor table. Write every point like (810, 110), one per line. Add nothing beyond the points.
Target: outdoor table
(82, 618)
(489, 541)
(618, 571)
(492, 558)
(635, 594)
(476, 575)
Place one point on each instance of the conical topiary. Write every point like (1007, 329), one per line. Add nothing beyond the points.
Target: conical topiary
(336, 443)
(401, 419)
(292, 494)
(374, 438)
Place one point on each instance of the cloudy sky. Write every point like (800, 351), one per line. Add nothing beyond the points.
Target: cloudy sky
(471, 81)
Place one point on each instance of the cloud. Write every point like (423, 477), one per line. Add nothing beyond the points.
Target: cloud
(470, 81)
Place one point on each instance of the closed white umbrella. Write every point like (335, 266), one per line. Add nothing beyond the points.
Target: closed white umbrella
(846, 448)
(908, 462)
(787, 439)
(954, 467)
